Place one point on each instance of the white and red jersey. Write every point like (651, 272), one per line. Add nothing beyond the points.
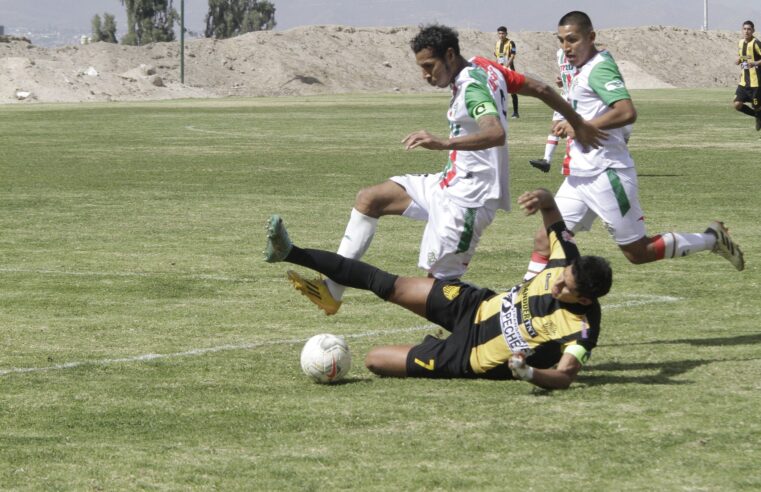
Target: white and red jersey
(594, 89)
(473, 178)
(567, 71)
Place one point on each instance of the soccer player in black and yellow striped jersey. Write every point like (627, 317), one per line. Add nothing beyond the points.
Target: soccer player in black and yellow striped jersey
(505, 52)
(541, 331)
(749, 86)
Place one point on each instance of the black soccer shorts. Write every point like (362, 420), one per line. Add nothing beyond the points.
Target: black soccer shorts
(451, 305)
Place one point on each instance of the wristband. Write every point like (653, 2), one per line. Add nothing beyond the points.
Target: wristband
(579, 352)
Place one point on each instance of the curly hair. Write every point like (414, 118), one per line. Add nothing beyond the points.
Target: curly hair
(593, 275)
(437, 38)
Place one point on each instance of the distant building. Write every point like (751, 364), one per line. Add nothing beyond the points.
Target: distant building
(2, 30)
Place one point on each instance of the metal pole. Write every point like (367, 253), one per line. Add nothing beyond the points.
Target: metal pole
(705, 15)
(182, 41)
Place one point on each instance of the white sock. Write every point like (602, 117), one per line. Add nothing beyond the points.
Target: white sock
(535, 266)
(549, 149)
(357, 238)
(676, 244)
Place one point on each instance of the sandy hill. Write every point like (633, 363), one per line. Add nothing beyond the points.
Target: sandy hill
(332, 59)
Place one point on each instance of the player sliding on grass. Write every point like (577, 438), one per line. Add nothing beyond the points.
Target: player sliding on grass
(540, 331)
(461, 201)
(603, 182)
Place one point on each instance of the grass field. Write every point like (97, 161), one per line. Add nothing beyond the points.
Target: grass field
(146, 345)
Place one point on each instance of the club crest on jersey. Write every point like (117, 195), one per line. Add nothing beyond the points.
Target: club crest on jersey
(432, 257)
(614, 85)
(451, 291)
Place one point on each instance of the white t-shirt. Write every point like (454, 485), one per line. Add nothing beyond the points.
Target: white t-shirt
(597, 85)
(476, 178)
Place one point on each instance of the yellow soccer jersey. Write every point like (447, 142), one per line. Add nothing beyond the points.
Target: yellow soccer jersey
(749, 51)
(529, 319)
(503, 49)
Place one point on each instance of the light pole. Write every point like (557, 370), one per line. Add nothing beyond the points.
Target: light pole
(705, 15)
(182, 41)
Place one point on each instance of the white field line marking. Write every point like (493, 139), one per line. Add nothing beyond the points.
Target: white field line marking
(636, 300)
(213, 132)
(202, 351)
(198, 276)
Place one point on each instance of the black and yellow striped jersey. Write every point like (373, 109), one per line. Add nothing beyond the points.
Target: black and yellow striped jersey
(529, 319)
(503, 49)
(749, 51)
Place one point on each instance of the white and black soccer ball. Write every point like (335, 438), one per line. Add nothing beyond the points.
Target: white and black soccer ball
(325, 358)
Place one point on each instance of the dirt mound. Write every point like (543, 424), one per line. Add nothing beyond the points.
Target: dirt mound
(332, 59)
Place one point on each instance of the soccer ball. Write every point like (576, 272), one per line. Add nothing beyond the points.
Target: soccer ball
(325, 358)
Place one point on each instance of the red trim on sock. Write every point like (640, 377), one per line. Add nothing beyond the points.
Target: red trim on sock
(567, 158)
(539, 258)
(659, 245)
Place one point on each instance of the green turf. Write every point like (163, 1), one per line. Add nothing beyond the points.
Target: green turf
(134, 229)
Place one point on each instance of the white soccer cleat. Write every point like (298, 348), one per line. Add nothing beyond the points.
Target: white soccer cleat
(725, 246)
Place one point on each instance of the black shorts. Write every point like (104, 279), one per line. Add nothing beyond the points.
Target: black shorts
(451, 305)
(749, 94)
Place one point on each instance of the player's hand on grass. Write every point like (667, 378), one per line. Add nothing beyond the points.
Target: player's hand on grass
(422, 138)
(519, 368)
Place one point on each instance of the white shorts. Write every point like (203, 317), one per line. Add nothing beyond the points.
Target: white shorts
(451, 233)
(611, 195)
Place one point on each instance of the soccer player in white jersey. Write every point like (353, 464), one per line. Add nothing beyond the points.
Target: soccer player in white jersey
(603, 182)
(461, 201)
(563, 80)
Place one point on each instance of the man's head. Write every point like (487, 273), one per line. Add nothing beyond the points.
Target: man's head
(502, 33)
(577, 37)
(437, 53)
(586, 279)
(748, 30)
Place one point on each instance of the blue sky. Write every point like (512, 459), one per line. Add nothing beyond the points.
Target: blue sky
(537, 15)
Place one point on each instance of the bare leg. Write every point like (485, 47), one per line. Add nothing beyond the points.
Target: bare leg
(412, 293)
(388, 360)
(391, 360)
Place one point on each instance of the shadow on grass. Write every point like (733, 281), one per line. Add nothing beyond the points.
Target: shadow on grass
(698, 342)
(665, 372)
(351, 381)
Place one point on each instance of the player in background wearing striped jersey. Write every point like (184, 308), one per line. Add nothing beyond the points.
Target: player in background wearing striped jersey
(505, 52)
(461, 201)
(563, 81)
(603, 182)
(541, 331)
(749, 86)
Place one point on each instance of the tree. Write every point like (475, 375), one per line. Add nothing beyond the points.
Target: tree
(104, 30)
(96, 28)
(149, 21)
(108, 32)
(229, 18)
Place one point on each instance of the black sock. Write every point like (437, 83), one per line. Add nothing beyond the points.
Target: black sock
(746, 110)
(345, 271)
(515, 103)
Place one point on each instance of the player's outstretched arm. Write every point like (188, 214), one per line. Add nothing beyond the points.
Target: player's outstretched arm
(541, 200)
(559, 378)
(586, 134)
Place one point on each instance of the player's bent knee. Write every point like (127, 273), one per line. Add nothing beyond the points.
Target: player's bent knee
(365, 201)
